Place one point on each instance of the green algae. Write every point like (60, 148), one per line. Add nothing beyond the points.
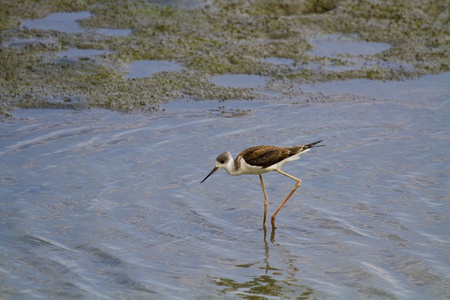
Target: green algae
(226, 37)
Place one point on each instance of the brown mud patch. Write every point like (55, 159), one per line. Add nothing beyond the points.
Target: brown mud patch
(225, 37)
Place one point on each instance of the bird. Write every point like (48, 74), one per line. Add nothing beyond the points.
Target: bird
(260, 160)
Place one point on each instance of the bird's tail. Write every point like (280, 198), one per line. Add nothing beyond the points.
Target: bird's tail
(301, 149)
(312, 145)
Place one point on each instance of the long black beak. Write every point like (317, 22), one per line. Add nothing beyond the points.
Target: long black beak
(210, 173)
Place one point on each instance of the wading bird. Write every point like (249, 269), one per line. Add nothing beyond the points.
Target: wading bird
(259, 160)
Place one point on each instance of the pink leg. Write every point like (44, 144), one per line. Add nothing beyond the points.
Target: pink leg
(266, 200)
(299, 182)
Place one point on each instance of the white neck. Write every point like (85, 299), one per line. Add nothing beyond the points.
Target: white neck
(230, 167)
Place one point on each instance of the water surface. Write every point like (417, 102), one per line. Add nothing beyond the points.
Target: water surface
(147, 68)
(240, 80)
(59, 21)
(67, 22)
(337, 44)
(104, 205)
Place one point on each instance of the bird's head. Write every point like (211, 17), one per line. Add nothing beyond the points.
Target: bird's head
(222, 161)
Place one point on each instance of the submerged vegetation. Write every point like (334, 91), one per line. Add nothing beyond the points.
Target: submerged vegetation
(220, 37)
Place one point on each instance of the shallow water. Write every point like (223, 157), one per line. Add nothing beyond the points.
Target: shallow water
(74, 53)
(240, 80)
(59, 21)
(347, 52)
(68, 22)
(336, 44)
(98, 204)
(147, 68)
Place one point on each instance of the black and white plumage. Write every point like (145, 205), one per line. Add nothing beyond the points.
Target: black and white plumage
(259, 160)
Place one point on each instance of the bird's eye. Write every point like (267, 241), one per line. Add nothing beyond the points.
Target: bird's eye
(221, 161)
